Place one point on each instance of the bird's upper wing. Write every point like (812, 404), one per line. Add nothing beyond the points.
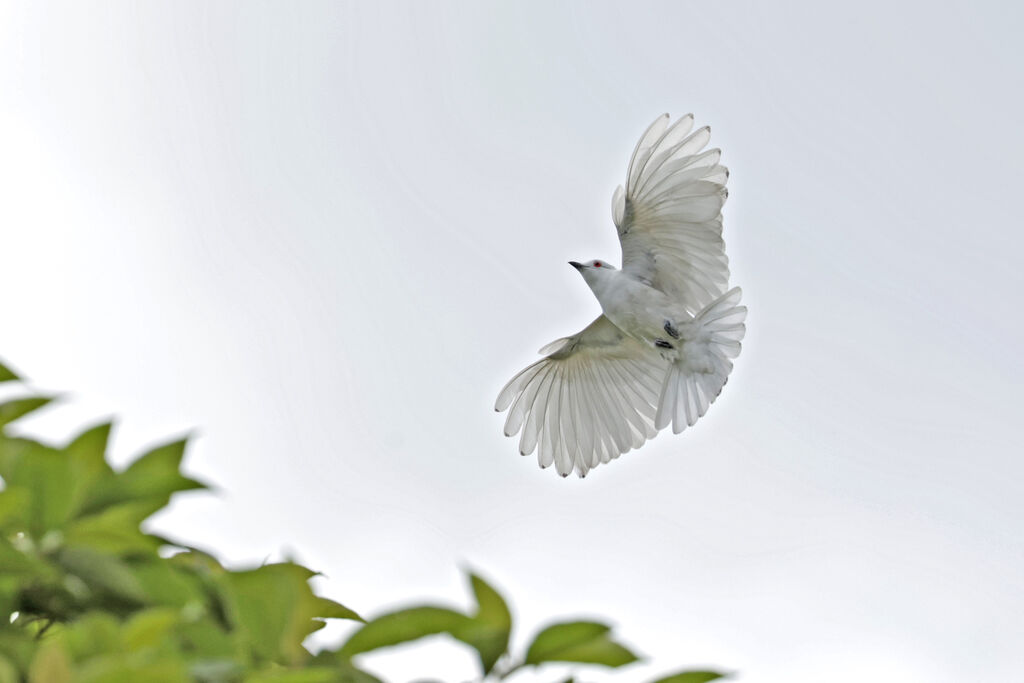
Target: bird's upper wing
(669, 214)
(591, 399)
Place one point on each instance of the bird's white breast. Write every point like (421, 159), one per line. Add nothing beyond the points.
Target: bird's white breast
(637, 308)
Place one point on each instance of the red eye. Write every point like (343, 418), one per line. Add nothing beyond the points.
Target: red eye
(597, 264)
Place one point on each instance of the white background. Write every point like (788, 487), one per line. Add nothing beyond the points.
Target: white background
(323, 236)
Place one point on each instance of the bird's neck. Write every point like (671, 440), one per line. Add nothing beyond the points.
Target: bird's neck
(606, 289)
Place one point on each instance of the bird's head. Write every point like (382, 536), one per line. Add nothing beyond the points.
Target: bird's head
(594, 272)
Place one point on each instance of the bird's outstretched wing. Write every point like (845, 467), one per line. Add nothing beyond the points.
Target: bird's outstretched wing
(669, 214)
(592, 398)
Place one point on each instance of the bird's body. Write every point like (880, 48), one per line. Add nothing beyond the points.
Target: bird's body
(661, 351)
(649, 316)
(633, 306)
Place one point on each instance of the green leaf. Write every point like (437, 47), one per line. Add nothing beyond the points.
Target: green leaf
(215, 671)
(120, 669)
(7, 375)
(115, 529)
(13, 562)
(273, 609)
(557, 637)
(87, 459)
(347, 673)
(102, 573)
(8, 672)
(18, 646)
(150, 628)
(329, 609)
(19, 407)
(401, 627)
(51, 664)
(344, 670)
(92, 634)
(197, 562)
(14, 501)
(691, 677)
(153, 477)
(213, 646)
(158, 472)
(585, 642)
(12, 452)
(304, 675)
(488, 630)
(44, 474)
(165, 584)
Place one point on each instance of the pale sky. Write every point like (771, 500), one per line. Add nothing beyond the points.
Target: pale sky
(321, 236)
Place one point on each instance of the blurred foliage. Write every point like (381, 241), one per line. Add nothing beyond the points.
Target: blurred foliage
(88, 596)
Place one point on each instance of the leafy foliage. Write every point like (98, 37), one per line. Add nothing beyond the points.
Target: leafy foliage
(691, 677)
(578, 641)
(88, 596)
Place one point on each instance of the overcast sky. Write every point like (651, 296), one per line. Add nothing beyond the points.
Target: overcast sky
(323, 236)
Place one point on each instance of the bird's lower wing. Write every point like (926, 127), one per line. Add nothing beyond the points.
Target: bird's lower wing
(593, 398)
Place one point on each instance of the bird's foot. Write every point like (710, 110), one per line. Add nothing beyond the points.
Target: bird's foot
(671, 329)
(662, 344)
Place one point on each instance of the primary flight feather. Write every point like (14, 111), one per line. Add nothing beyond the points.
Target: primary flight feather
(662, 350)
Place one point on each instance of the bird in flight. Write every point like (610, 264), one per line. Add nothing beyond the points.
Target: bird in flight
(662, 349)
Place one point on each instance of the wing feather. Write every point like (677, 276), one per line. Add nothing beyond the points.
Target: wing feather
(579, 428)
(621, 390)
(669, 214)
(520, 408)
(592, 399)
(583, 387)
(535, 413)
(644, 146)
(566, 433)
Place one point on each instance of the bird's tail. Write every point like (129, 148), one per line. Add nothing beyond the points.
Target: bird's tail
(702, 367)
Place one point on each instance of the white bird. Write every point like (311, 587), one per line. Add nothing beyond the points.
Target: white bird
(661, 352)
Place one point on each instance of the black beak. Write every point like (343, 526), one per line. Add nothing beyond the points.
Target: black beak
(575, 265)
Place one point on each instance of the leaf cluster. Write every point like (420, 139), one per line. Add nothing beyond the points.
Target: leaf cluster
(87, 595)
(487, 629)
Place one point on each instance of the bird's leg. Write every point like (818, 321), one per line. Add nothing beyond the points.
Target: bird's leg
(671, 329)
